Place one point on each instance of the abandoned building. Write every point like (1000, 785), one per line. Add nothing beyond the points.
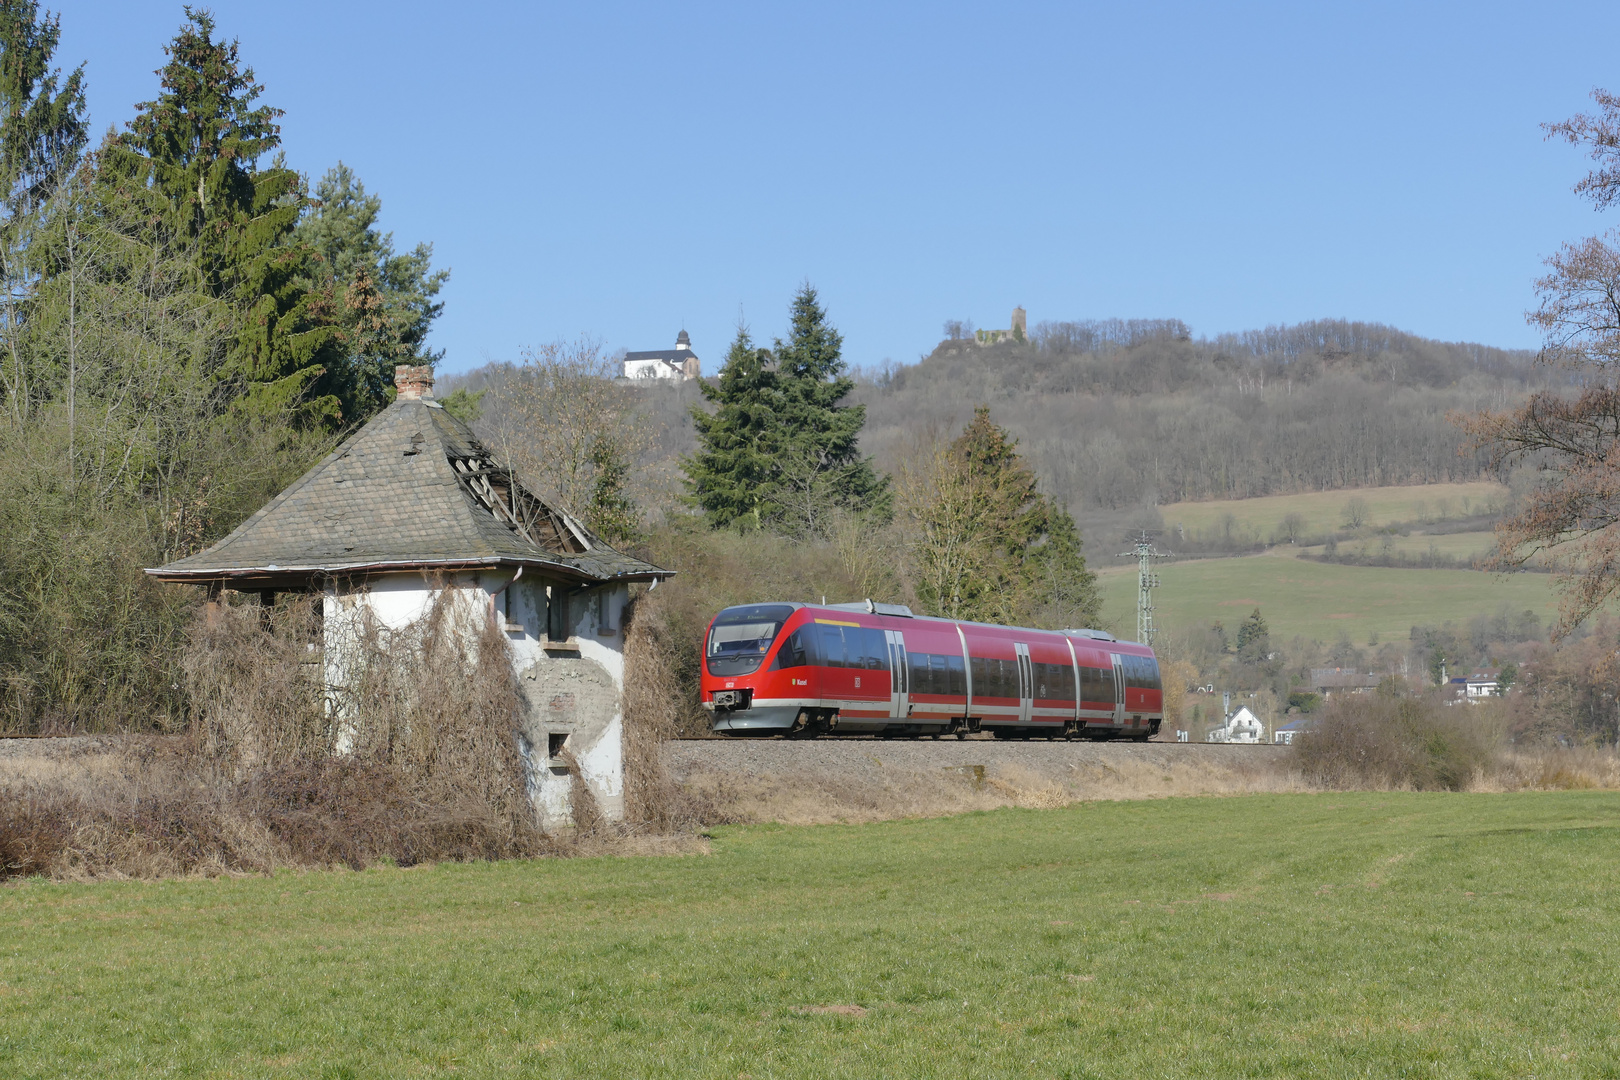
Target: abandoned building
(677, 363)
(1018, 332)
(413, 512)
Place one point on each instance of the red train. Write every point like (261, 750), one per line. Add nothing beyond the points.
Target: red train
(798, 669)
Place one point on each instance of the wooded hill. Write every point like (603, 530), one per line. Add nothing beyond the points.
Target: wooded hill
(1117, 416)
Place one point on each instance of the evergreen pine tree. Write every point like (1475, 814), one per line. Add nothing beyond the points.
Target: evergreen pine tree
(991, 546)
(387, 298)
(819, 466)
(1253, 638)
(195, 150)
(42, 138)
(42, 116)
(610, 511)
(730, 475)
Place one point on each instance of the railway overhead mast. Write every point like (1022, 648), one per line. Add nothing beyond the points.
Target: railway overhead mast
(1144, 552)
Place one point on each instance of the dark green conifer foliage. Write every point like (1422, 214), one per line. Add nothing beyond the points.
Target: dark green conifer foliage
(1019, 554)
(820, 466)
(196, 148)
(730, 477)
(1253, 637)
(44, 132)
(610, 511)
(779, 451)
(386, 299)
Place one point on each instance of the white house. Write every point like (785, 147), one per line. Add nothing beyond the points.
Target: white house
(677, 363)
(412, 512)
(1241, 727)
(1483, 684)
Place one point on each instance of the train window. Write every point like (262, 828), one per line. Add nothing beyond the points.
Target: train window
(956, 676)
(793, 652)
(1096, 684)
(931, 674)
(740, 637)
(874, 649)
(995, 678)
(1150, 677)
(832, 645)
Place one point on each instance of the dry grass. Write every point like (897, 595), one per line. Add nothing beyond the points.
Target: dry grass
(815, 795)
(433, 770)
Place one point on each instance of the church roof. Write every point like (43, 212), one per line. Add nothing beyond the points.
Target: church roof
(674, 356)
(413, 489)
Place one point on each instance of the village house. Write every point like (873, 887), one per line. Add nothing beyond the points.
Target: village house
(1483, 684)
(1330, 681)
(411, 513)
(677, 363)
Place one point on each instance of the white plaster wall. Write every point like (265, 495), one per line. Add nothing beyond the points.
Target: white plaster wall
(591, 677)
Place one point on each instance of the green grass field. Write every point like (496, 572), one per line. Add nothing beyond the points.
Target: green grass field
(1323, 511)
(1414, 935)
(1320, 600)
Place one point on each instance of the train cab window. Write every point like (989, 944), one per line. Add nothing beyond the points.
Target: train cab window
(740, 637)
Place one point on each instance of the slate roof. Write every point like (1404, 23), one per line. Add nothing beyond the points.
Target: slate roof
(413, 489)
(674, 356)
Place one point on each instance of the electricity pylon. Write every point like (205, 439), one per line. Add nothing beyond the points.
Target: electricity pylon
(1146, 581)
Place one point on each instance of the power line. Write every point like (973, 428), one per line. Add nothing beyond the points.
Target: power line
(1146, 581)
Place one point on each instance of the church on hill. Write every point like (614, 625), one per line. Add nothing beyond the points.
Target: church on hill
(677, 363)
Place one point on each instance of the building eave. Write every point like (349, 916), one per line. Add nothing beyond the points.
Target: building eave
(277, 576)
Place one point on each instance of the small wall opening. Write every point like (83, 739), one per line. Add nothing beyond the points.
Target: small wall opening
(556, 743)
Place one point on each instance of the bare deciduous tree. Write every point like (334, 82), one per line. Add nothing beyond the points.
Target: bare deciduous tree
(560, 413)
(1572, 516)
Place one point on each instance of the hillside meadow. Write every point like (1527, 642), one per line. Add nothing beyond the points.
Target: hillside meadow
(1324, 511)
(1316, 600)
(1409, 934)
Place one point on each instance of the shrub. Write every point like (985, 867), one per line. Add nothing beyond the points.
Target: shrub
(1386, 740)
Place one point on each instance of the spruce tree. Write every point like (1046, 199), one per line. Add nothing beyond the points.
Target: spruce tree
(731, 476)
(990, 546)
(42, 137)
(820, 467)
(386, 299)
(42, 115)
(195, 150)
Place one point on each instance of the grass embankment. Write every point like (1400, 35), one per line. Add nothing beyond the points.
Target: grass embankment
(1308, 935)
(1321, 600)
(1324, 511)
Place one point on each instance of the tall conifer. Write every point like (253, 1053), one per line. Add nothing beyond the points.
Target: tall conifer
(196, 149)
(730, 475)
(821, 466)
(779, 451)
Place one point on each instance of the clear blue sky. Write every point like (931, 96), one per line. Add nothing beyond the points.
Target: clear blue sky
(619, 170)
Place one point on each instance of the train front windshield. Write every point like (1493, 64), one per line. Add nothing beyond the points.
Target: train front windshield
(741, 636)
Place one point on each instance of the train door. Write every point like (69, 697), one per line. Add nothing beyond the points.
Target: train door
(899, 698)
(1119, 688)
(1074, 669)
(1026, 684)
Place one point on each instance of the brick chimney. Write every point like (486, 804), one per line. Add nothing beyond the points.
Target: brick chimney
(414, 380)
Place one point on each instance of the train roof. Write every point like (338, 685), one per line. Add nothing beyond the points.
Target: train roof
(869, 607)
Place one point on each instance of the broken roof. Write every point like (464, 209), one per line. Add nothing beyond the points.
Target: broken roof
(412, 490)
